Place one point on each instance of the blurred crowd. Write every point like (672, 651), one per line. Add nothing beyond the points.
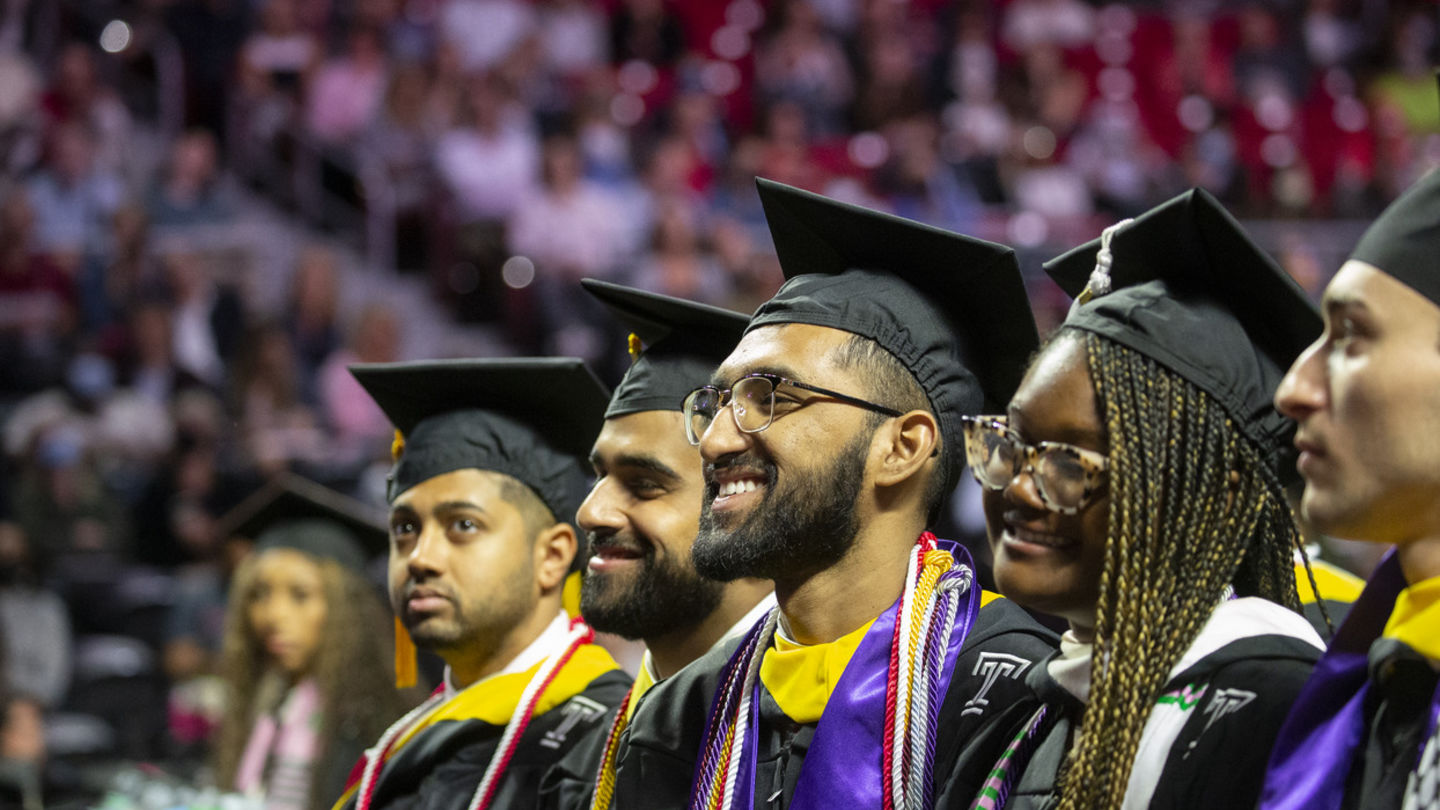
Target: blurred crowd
(501, 150)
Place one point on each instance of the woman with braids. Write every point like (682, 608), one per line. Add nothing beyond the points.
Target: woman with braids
(306, 655)
(1134, 489)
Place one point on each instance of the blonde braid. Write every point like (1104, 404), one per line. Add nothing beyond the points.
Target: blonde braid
(1180, 533)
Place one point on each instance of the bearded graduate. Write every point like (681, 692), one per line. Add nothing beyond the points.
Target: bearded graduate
(831, 436)
(1134, 488)
(1366, 396)
(488, 473)
(641, 517)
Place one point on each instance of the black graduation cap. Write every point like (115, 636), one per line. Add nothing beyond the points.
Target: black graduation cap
(1405, 240)
(532, 419)
(1187, 288)
(951, 308)
(295, 512)
(683, 343)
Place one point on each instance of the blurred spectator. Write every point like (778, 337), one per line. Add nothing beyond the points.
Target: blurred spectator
(111, 283)
(566, 226)
(195, 629)
(210, 34)
(37, 303)
(1066, 23)
(573, 37)
(312, 324)
(648, 31)
(676, 264)
(190, 191)
(918, 185)
(357, 424)
(73, 198)
(73, 523)
(1407, 85)
(34, 625)
(345, 93)
(396, 161)
(483, 32)
(279, 429)
(1330, 36)
(804, 63)
(78, 98)
(490, 163)
(275, 63)
(148, 364)
(207, 318)
(23, 753)
(891, 85)
(19, 129)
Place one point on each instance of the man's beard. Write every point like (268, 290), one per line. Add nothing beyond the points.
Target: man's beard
(661, 598)
(807, 526)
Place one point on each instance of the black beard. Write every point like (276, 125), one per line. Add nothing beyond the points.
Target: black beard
(806, 527)
(662, 598)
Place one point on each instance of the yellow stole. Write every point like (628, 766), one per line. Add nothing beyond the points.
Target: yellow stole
(1335, 583)
(1416, 618)
(494, 699)
(802, 677)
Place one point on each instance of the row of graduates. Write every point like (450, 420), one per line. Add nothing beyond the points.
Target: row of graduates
(1134, 469)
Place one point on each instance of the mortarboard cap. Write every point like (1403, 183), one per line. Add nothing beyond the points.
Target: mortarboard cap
(1404, 241)
(951, 308)
(683, 343)
(1188, 289)
(532, 419)
(294, 512)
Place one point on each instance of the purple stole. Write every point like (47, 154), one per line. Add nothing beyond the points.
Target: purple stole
(1325, 730)
(842, 767)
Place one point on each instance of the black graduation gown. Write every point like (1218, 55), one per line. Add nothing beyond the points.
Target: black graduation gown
(442, 765)
(569, 784)
(1397, 711)
(659, 750)
(1218, 759)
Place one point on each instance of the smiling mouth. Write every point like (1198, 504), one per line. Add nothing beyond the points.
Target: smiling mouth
(1030, 537)
(606, 555)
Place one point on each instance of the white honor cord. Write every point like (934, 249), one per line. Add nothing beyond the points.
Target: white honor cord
(742, 718)
(374, 756)
(902, 682)
(522, 711)
(919, 742)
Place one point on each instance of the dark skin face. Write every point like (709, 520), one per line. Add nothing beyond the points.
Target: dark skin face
(1045, 560)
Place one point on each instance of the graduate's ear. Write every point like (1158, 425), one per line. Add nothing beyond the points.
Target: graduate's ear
(904, 445)
(555, 549)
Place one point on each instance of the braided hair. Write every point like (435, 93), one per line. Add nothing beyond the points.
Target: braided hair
(1194, 509)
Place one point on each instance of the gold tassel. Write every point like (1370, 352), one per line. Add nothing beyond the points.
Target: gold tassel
(635, 347)
(397, 446)
(407, 669)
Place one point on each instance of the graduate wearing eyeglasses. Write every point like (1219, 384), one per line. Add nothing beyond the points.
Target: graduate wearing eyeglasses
(831, 437)
(1134, 488)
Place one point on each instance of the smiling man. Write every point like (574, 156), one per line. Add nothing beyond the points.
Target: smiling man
(831, 436)
(641, 517)
(486, 478)
(1366, 396)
